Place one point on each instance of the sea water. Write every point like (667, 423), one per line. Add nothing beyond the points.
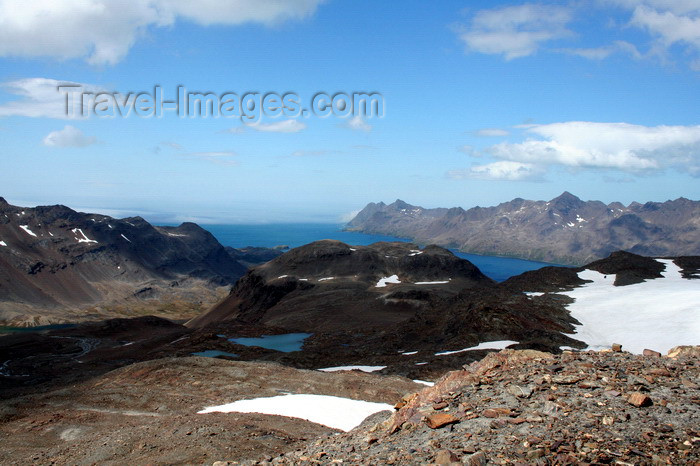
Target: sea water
(298, 234)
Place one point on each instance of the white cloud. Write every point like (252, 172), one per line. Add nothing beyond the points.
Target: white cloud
(492, 132)
(212, 154)
(358, 124)
(622, 146)
(69, 136)
(603, 52)
(313, 153)
(345, 218)
(103, 31)
(669, 27)
(217, 157)
(469, 150)
(520, 30)
(675, 6)
(172, 145)
(286, 126)
(40, 97)
(515, 31)
(504, 170)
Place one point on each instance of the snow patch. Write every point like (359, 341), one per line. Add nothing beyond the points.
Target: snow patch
(352, 368)
(429, 384)
(496, 345)
(2, 243)
(84, 238)
(332, 411)
(326, 278)
(122, 235)
(533, 294)
(283, 276)
(421, 363)
(176, 235)
(384, 281)
(433, 283)
(657, 314)
(27, 230)
(410, 353)
(415, 252)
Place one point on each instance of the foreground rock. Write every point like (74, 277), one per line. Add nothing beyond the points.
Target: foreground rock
(532, 407)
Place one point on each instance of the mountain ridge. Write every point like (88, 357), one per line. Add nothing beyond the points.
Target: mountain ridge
(58, 265)
(565, 230)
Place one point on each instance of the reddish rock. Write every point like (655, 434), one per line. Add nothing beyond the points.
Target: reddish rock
(495, 412)
(616, 347)
(648, 352)
(446, 457)
(639, 400)
(660, 371)
(477, 459)
(435, 421)
(439, 406)
(689, 383)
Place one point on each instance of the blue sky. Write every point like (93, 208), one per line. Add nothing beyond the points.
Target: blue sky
(484, 102)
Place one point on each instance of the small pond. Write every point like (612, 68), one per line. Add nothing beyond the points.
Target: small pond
(285, 343)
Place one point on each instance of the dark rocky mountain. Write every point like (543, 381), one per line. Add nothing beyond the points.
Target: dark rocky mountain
(302, 289)
(565, 230)
(55, 263)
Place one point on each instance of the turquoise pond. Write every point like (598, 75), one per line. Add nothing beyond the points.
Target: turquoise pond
(285, 343)
(214, 354)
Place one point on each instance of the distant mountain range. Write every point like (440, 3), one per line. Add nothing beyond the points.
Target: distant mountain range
(57, 264)
(565, 230)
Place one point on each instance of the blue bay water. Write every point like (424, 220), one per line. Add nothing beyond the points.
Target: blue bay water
(299, 234)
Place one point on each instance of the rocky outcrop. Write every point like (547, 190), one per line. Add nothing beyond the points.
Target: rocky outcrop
(530, 407)
(565, 230)
(54, 260)
(328, 285)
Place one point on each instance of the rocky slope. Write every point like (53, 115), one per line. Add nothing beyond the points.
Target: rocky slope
(528, 407)
(58, 265)
(565, 230)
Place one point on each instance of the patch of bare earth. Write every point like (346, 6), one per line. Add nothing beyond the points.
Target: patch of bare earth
(146, 413)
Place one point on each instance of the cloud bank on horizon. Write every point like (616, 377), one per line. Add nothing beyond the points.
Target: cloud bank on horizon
(560, 96)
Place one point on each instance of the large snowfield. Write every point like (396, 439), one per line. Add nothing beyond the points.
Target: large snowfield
(332, 411)
(657, 314)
